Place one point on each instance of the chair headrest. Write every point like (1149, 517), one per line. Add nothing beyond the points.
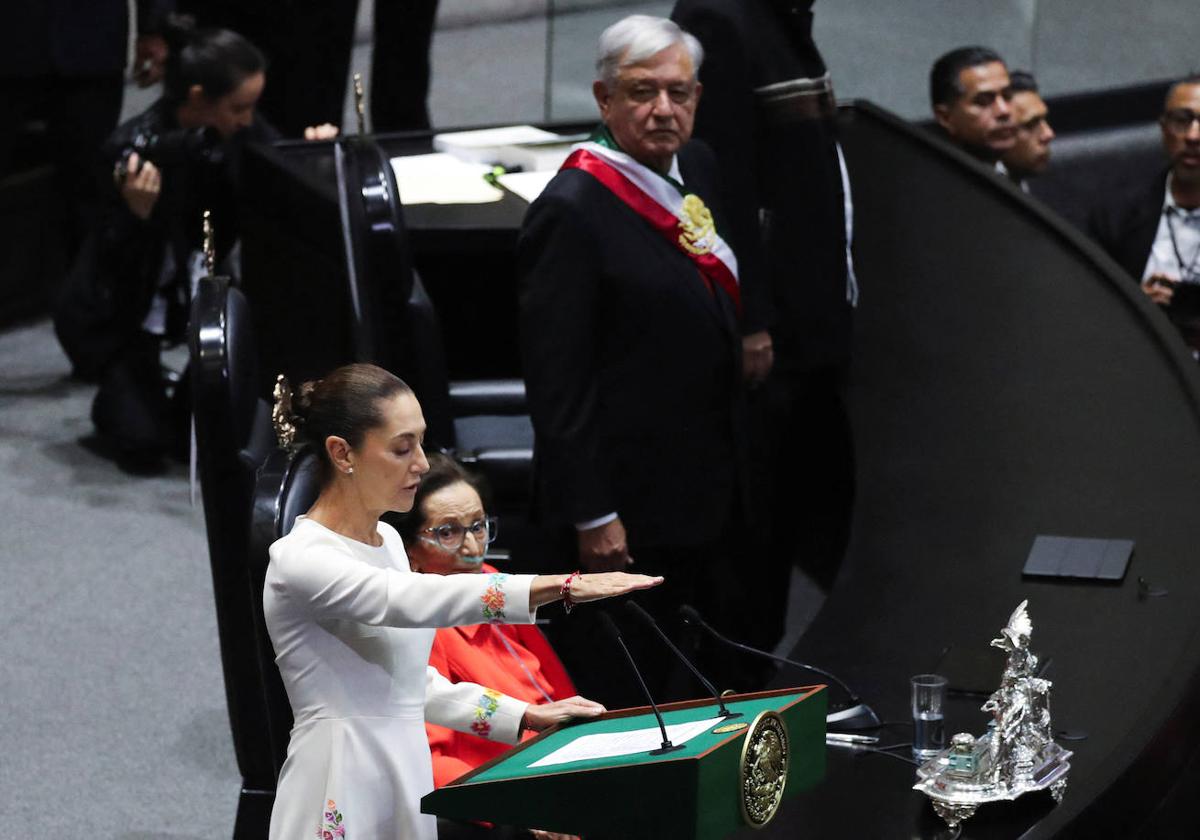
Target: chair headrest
(300, 489)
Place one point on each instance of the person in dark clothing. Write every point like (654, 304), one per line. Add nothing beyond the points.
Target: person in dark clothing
(768, 113)
(1153, 231)
(63, 62)
(128, 293)
(309, 45)
(400, 64)
(631, 349)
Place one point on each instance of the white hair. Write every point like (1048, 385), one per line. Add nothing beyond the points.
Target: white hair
(636, 38)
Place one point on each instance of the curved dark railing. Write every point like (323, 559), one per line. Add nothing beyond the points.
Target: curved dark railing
(1008, 381)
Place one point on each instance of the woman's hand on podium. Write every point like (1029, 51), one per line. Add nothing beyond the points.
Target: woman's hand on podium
(545, 715)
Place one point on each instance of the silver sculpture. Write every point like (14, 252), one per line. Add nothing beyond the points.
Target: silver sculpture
(1016, 755)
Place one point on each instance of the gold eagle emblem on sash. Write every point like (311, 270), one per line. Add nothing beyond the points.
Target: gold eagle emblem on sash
(698, 228)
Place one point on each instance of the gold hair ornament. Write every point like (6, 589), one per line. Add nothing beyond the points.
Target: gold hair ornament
(282, 417)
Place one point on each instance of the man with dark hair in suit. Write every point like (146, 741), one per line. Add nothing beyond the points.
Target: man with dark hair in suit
(1154, 233)
(631, 349)
(768, 113)
(1030, 155)
(971, 95)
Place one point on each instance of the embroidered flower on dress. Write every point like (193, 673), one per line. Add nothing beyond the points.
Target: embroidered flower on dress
(331, 828)
(493, 598)
(485, 707)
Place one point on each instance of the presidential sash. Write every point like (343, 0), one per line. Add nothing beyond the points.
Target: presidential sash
(683, 220)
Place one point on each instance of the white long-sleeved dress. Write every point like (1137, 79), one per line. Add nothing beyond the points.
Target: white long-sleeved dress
(352, 628)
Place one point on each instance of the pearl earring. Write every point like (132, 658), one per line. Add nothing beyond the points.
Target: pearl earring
(350, 471)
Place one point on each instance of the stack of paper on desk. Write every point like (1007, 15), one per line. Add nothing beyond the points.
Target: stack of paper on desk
(486, 145)
(442, 179)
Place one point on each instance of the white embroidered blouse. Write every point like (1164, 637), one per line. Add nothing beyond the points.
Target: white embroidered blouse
(352, 628)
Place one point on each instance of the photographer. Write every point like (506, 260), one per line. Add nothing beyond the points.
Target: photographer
(128, 293)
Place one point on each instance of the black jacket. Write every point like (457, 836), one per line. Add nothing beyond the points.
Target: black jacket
(631, 364)
(1126, 228)
(783, 187)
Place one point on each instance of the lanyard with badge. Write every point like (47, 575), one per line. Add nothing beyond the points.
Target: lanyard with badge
(1186, 274)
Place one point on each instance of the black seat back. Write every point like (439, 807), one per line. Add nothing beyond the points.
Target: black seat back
(379, 266)
(1094, 168)
(424, 367)
(232, 424)
(287, 485)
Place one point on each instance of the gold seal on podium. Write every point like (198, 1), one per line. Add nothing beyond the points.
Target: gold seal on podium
(763, 769)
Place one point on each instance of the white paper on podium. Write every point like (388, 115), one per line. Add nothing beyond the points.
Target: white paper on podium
(442, 179)
(612, 744)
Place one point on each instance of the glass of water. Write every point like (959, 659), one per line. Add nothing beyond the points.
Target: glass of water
(929, 723)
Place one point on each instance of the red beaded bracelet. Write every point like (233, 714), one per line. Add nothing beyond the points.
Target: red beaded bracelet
(565, 591)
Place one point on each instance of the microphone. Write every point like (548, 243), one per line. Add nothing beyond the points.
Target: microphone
(610, 627)
(858, 716)
(645, 617)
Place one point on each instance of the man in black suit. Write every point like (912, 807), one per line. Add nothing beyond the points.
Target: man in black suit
(768, 113)
(1154, 233)
(631, 348)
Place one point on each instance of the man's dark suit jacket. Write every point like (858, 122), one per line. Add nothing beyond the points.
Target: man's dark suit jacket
(632, 366)
(1126, 229)
(794, 263)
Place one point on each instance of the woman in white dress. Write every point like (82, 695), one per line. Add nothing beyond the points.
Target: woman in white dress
(352, 626)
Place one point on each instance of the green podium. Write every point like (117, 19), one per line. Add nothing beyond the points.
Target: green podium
(731, 774)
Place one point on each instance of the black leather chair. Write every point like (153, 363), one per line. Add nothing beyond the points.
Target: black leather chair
(233, 436)
(485, 423)
(286, 486)
(1093, 168)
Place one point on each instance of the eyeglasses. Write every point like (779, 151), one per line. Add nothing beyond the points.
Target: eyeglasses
(1179, 120)
(452, 535)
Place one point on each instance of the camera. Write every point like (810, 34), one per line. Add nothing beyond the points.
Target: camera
(169, 149)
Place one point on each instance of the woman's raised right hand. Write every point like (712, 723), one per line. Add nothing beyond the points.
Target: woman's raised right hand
(598, 585)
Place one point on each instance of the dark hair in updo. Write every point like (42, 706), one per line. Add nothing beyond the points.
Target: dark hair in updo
(216, 59)
(345, 404)
(444, 472)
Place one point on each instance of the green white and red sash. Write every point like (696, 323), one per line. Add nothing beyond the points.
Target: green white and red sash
(680, 217)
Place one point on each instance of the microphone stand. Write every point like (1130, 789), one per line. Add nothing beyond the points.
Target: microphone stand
(611, 627)
(646, 618)
(857, 716)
